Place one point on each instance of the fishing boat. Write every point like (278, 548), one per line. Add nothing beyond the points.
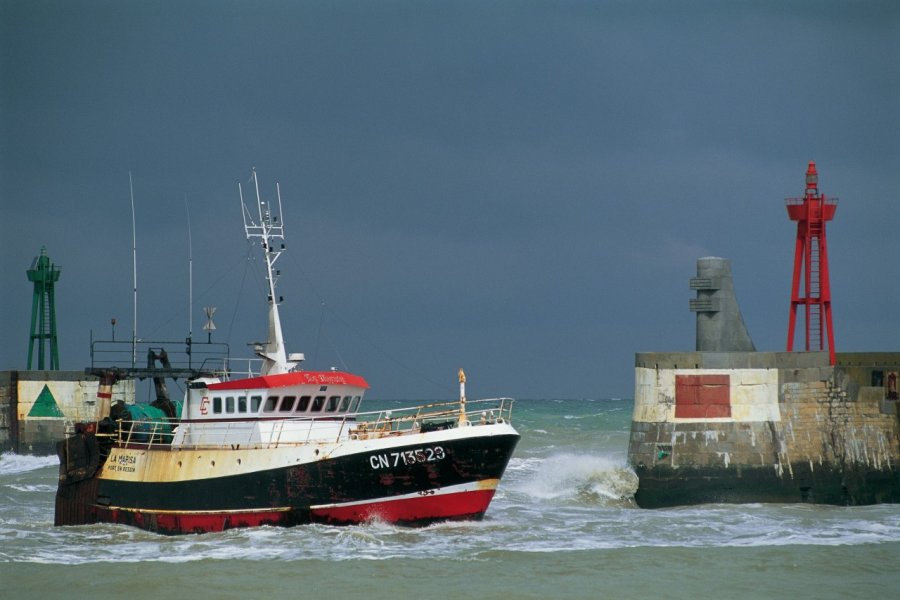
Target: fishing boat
(280, 445)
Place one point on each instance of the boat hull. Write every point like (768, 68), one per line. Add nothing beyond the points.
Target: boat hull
(432, 477)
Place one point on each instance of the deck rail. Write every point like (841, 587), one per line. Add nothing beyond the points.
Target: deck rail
(296, 431)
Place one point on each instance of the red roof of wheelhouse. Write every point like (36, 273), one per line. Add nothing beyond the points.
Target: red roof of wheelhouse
(292, 379)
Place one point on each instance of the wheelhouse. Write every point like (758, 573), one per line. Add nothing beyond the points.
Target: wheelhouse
(302, 394)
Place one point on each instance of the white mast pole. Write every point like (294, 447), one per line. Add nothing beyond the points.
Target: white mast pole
(274, 355)
(280, 214)
(265, 227)
(259, 204)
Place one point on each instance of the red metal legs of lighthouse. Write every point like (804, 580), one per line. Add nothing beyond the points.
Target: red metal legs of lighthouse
(811, 212)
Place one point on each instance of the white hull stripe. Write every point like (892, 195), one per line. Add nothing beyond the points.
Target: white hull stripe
(475, 486)
(156, 511)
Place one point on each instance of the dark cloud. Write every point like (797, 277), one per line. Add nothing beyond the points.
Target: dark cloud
(518, 188)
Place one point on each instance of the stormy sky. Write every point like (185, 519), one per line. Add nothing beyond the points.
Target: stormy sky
(521, 189)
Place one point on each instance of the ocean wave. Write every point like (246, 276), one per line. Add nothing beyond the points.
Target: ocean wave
(40, 488)
(588, 415)
(11, 463)
(517, 464)
(584, 478)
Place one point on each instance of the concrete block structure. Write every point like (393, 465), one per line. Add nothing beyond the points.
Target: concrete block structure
(720, 325)
(729, 424)
(780, 427)
(36, 407)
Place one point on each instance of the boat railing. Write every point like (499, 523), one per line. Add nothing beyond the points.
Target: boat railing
(305, 430)
(147, 356)
(236, 368)
(233, 368)
(149, 433)
(435, 416)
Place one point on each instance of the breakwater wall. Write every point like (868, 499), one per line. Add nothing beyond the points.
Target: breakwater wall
(714, 427)
(36, 407)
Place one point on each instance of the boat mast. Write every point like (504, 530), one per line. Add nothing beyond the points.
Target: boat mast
(268, 227)
(134, 274)
(190, 337)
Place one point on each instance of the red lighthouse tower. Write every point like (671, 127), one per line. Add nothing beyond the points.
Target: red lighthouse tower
(811, 212)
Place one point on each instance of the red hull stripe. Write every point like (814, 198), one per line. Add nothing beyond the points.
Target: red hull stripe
(483, 484)
(195, 522)
(294, 378)
(414, 509)
(419, 509)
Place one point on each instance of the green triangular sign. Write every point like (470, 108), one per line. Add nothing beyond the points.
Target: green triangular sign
(45, 405)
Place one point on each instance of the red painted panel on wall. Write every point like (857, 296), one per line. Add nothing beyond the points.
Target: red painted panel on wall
(702, 396)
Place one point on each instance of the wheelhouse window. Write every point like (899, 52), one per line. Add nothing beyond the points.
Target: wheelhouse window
(333, 403)
(303, 405)
(354, 406)
(318, 403)
(217, 405)
(229, 404)
(345, 404)
(242, 404)
(271, 401)
(255, 401)
(287, 404)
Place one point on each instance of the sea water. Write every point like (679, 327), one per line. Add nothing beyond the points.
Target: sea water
(562, 525)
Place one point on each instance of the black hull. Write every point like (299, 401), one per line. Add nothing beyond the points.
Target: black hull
(341, 490)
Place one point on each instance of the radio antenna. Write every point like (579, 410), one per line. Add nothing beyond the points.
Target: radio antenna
(190, 271)
(134, 274)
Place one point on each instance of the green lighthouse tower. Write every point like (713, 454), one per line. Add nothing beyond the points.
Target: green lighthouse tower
(44, 274)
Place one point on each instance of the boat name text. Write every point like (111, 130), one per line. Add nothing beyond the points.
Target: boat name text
(124, 463)
(325, 378)
(407, 457)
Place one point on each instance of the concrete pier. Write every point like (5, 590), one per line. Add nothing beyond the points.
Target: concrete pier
(728, 424)
(36, 407)
(766, 427)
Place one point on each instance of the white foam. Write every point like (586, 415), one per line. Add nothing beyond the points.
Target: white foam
(583, 476)
(11, 463)
(41, 488)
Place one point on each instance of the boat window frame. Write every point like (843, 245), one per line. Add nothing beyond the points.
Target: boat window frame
(255, 403)
(271, 404)
(354, 404)
(333, 403)
(318, 404)
(345, 403)
(287, 404)
(217, 405)
(242, 404)
(229, 404)
(303, 403)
